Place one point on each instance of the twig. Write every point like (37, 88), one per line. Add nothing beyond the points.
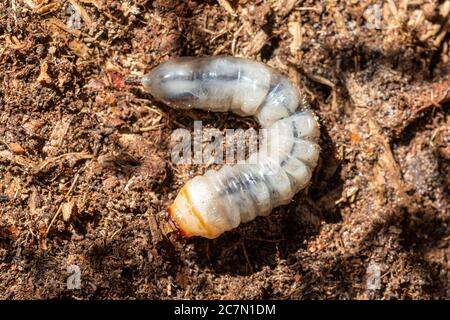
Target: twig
(72, 186)
(78, 155)
(246, 256)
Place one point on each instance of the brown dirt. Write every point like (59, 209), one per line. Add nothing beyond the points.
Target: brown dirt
(85, 172)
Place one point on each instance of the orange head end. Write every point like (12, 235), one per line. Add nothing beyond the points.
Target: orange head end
(185, 218)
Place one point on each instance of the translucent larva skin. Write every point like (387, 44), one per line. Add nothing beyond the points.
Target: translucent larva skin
(220, 200)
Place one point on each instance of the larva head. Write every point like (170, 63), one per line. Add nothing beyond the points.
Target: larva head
(149, 82)
(187, 219)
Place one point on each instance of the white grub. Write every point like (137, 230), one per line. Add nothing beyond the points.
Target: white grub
(219, 201)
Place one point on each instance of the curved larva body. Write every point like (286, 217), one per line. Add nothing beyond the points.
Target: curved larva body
(220, 200)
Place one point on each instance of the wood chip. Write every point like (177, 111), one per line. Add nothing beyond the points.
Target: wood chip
(16, 148)
(68, 209)
(386, 168)
(20, 160)
(14, 43)
(57, 136)
(154, 229)
(34, 201)
(284, 7)
(31, 127)
(83, 13)
(340, 23)
(31, 4)
(444, 9)
(258, 42)
(43, 77)
(56, 25)
(48, 8)
(295, 29)
(226, 5)
(79, 48)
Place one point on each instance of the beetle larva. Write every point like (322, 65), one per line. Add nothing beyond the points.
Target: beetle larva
(220, 200)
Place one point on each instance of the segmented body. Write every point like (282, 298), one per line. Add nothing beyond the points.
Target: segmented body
(219, 201)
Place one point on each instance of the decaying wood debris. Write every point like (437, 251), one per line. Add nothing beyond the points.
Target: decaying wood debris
(85, 170)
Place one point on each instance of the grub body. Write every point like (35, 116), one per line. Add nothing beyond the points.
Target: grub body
(219, 201)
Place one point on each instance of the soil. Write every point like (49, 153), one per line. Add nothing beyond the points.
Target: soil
(86, 176)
